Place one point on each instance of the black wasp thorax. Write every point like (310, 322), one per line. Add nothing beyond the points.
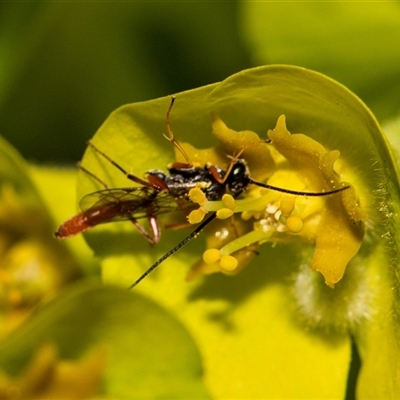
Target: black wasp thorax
(213, 182)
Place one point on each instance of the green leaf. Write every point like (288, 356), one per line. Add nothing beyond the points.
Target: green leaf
(149, 354)
(246, 326)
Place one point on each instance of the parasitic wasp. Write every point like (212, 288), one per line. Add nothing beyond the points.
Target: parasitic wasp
(161, 193)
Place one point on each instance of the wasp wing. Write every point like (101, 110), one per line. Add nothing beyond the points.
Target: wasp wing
(137, 202)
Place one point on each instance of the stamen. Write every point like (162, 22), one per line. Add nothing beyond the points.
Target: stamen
(211, 256)
(228, 263)
(196, 216)
(229, 201)
(224, 213)
(197, 196)
(294, 224)
(287, 205)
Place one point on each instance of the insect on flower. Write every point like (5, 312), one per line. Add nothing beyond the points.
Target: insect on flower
(164, 192)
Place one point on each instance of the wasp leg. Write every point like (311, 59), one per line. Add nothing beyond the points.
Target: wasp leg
(186, 209)
(217, 176)
(155, 235)
(177, 226)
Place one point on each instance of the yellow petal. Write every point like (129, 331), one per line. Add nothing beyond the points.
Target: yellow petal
(341, 229)
(258, 156)
(338, 238)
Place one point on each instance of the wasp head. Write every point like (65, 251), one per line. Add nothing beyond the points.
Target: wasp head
(238, 177)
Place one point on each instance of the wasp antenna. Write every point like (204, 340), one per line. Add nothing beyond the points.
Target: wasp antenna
(234, 158)
(92, 175)
(186, 240)
(128, 175)
(173, 98)
(244, 148)
(171, 137)
(299, 193)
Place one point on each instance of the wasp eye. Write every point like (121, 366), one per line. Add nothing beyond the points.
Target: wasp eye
(238, 171)
(238, 177)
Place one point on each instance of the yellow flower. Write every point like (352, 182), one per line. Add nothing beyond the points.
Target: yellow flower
(332, 222)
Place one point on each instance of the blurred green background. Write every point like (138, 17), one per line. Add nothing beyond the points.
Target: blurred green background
(64, 66)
